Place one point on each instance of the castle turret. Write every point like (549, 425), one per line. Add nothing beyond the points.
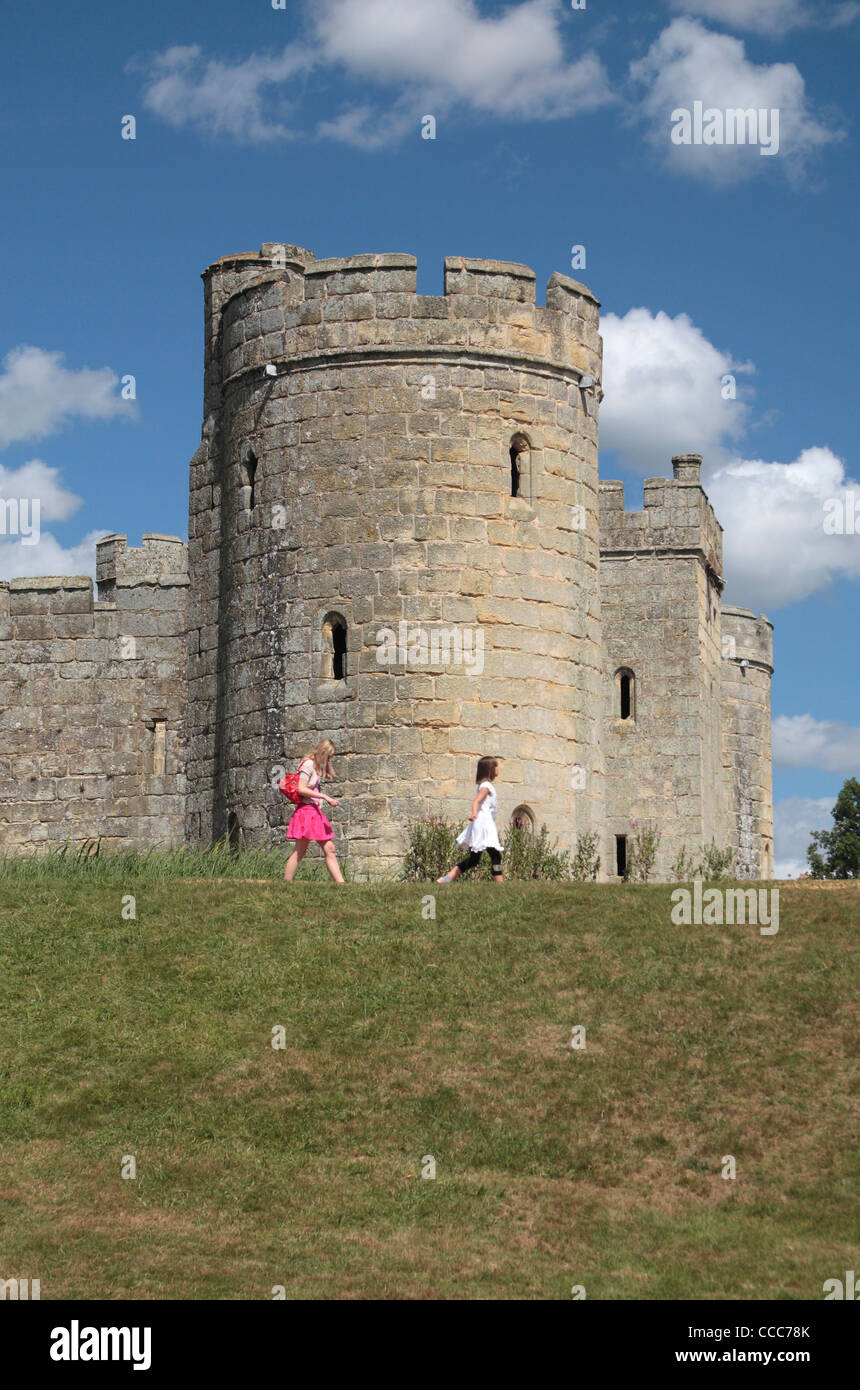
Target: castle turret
(660, 578)
(394, 542)
(747, 646)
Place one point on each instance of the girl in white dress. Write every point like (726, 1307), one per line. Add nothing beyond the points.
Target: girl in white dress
(480, 833)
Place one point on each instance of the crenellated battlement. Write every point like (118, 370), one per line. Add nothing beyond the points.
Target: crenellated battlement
(45, 608)
(676, 516)
(385, 271)
(283, 306)
(159, 561)
(752, 637)
(42, 597)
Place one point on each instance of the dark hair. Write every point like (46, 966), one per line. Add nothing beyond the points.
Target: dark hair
(487, 769)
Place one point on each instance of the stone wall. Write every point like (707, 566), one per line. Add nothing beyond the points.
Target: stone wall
(356, 469)
(397, 541)
(747, 671)
(660, 585)
(92, 698)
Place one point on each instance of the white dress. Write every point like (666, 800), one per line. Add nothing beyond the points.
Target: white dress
(481, 833)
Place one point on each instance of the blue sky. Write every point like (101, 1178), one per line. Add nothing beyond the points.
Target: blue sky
(303, 125)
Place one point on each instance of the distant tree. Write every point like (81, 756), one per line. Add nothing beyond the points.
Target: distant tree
(836, 853)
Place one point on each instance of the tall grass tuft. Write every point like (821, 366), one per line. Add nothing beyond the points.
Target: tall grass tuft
(432, 849)
(92, 863)
(713, 865)
(586, 860)
(528, 854)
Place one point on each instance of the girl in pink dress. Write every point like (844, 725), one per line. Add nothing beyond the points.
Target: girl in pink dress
(307, 821)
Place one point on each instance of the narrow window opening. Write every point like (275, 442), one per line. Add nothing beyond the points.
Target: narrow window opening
(515, 474)
(523, 819)
(159, 747)
(334, 653)
(519, 454)
(249, 480)
(234, 831)
(625, 697)
(338, 660)
(621, 855)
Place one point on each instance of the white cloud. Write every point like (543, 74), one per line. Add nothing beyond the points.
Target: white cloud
(35, 481)
(512, 64)
(688, 63)
(662, 379)
(39, 395)
(368, 128)
(772, 18)
(794, 819)
(430, 55)
(775, 548)
(827, 744)
(245, 99)
(48, 557)
(843, 14)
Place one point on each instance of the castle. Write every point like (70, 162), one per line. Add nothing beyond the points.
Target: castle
(397, 540)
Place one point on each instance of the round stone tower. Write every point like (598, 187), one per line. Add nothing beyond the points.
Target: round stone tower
(747, 643)
(393, 543)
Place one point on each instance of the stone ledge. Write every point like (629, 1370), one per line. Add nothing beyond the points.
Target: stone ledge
(513, 269)
(385, 261)
(564, 282)
(295, 257)
(48, 582)
(731, 610)
(444, 354)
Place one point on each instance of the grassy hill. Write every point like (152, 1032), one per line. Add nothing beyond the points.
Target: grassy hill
(407, 1037)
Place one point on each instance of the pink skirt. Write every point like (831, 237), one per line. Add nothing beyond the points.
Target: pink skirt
(308, 823)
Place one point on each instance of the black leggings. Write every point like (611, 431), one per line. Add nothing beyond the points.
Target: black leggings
(474, 857)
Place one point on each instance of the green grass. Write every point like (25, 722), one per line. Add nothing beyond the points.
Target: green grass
(87, 864)
(407, 1037)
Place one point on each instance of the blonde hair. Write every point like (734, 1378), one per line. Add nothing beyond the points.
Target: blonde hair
(321, 757)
